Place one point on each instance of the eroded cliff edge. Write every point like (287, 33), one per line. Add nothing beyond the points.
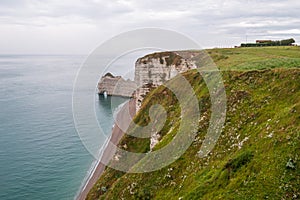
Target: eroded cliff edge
(115, 86)
(151, 71)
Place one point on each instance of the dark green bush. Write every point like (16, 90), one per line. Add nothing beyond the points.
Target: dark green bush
(239, 161)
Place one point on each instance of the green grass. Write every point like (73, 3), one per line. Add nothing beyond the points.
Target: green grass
(256, 58)
(260, 137)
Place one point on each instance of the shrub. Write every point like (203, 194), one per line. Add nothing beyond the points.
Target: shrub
(239, 161)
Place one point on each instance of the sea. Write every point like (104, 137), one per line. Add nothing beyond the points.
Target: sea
(41, 154)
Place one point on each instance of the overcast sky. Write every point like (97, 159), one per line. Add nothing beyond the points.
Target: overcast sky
(79, 26)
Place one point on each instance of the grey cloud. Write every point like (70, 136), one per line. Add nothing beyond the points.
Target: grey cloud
(206, 20)
(88, 9)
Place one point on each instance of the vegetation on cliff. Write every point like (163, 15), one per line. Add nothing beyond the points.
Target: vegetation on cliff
(265, 43)
(257, 155)
(171, 58)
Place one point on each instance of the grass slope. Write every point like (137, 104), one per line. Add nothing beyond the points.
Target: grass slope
(257, 155)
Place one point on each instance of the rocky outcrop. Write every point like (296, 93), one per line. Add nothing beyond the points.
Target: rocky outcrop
(116, 86)
(155, 69)
(150, 71)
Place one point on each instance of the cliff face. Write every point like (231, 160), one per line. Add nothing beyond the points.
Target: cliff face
(151, 71)
(116, 86)
(155, 69)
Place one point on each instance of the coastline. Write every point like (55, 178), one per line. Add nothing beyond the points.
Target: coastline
(109, 151)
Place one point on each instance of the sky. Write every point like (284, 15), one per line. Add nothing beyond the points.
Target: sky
(79, 26)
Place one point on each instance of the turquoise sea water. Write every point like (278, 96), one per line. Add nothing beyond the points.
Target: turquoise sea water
(41, 155)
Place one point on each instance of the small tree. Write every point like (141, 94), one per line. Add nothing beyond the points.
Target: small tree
(287, 42)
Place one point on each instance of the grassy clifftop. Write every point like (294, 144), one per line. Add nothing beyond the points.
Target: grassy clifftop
(256, 58)
(258, 153)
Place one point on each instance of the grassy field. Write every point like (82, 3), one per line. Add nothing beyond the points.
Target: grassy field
(258, 153)
(256, 58)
